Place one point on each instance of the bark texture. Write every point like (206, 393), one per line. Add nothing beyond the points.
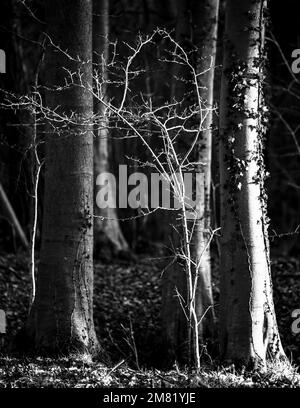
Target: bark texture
(205, 22)
(196, 27)
(247, 317)
(61, 317)
(108, 234)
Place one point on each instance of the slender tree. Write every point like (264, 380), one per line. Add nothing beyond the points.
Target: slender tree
(196, 27)
(107, 228)
(247, 318)
(61, 316)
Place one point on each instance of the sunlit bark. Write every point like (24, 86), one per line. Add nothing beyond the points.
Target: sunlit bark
(248, 322)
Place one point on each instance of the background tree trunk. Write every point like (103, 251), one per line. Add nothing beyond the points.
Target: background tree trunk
(205, 23)
(248, 323)
(107, 229)
(196, 26)
(61, 317)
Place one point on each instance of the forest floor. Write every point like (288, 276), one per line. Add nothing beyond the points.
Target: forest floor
(127, 318)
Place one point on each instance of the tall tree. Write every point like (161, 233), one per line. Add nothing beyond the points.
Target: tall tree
(205, 23)
(61, 316)
(247, 318)
(196, 26)
(107, 228)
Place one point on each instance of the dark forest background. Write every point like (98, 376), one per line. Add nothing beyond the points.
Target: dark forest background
(127, 287)
(21, 34)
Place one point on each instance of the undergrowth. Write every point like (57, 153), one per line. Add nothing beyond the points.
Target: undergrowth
(127, 304)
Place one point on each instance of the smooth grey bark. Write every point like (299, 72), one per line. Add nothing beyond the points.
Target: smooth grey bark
(205, 22)
(248, 328)
(107, 230)
(61, 316)
(197, 23)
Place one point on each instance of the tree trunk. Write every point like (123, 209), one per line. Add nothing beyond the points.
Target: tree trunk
(107, 229)
(205, 34)
(247, 318)
(61, 317)
(196, 26)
